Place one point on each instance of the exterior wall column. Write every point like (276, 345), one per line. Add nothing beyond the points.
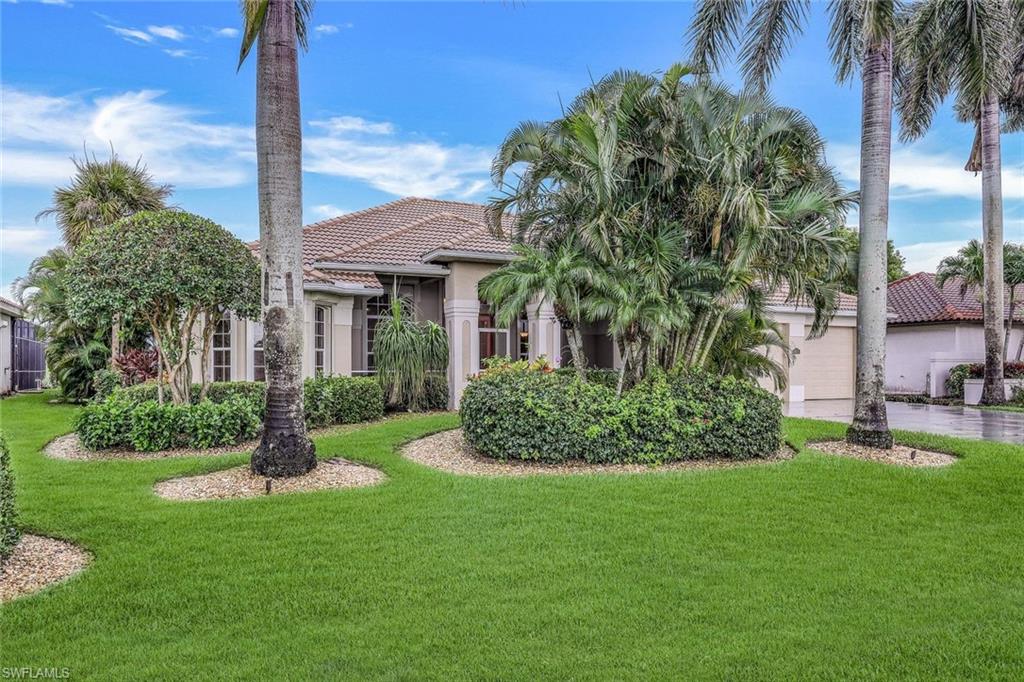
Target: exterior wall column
(308, 306)
(462, 322)
(545, 333)
(795, 390)
(341, 337)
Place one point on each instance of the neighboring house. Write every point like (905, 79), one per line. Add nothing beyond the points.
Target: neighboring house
(437, 252)
(22, 364)
(931, 330)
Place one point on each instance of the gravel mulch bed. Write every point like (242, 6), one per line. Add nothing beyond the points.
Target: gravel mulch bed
(39, 562)
(900, 455)
(70, 446)
(241, 482)
(449, 451)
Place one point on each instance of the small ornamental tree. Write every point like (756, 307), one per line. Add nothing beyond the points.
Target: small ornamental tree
(178, 273)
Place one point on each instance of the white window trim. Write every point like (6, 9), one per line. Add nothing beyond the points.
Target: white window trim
(230, 348)
(327, 350)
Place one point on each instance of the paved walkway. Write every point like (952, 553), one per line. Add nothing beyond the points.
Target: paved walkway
(964, 422)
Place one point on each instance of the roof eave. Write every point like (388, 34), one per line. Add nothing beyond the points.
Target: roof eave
(343, 289)
(424, 269)
(469, 256)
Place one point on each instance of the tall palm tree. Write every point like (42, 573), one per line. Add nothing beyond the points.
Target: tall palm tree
(276, 27)
(975, 49)
(968, 265)
(862, 35)
(101, 193)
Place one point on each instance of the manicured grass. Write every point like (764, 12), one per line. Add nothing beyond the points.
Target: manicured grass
(822, 567)
(1001, 408)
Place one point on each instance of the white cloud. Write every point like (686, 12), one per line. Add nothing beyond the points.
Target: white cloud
(354, 148)
(925, 256)
(226, 32)
(42, 132)
(339, 125)
(326, 29)
(61, 3)
(169, 32)
(132, 35)
(179, 53)
(919, 173)
(27, 241)
(327, 211)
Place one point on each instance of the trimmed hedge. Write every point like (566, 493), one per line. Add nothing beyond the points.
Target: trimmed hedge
(231, 413)
(9, 533)
(976, 370)
(519, 413)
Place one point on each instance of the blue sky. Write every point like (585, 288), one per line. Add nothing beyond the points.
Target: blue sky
(397, 99)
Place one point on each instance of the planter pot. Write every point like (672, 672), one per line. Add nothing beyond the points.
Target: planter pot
(972, 389)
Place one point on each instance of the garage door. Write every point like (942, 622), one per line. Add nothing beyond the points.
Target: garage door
(826, 365)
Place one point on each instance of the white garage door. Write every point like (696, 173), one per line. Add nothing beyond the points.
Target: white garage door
(826, 365)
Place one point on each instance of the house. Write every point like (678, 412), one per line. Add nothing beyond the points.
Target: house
(22, 363)
(436, 253)
(932, 329)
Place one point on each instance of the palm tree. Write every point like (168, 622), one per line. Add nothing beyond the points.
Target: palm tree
(558, 275)
(974, 49)
(276, 26)
(862, 35)
(968, 265)
(406, 352)
(744, 349)
(101, 193)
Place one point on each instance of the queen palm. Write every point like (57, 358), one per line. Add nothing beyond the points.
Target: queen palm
(862, 35)
(975, 50)
(276, 26)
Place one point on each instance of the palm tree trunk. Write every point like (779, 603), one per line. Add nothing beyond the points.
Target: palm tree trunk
(579, 359)
(992, 392)
(285, 449)
(870, 423)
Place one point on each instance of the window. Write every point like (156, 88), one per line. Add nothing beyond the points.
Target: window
(222, 350)
(493, 341)
(523, 332)
(259, 372)
(321, 345)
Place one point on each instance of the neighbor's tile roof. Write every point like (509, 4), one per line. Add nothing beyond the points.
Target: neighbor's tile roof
(10, 305)
(917, 299)
(780, 297)
(401, 232)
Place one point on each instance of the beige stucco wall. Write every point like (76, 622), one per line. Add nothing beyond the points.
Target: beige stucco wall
(6, 341)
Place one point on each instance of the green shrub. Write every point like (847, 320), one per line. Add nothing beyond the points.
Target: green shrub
(8, 517)
(217, 392)
(955, 381)
(354, 399)
(106, 424)
(105, 382)
(436, 392)
(520, 413)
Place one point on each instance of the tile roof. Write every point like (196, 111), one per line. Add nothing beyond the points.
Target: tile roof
(781, 298)
(918, 299)
(11, 306)
(401, 232)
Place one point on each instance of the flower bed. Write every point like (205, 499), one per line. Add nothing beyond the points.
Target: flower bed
(519, 413)
(231, 413)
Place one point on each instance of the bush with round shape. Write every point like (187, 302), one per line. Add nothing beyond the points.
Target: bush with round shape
(518, 413)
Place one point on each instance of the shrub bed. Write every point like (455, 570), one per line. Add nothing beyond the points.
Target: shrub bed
(8, 528)
(522, 413)
(232, 412)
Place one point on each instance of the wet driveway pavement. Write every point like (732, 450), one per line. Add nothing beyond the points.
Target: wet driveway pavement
(964, 422)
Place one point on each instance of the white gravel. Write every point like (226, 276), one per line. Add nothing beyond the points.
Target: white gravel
(449, 451)
(900, 455)
(241, 482)
(38, 562)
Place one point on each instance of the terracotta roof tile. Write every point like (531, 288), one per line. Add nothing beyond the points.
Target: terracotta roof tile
(917, 299)
(781, 297)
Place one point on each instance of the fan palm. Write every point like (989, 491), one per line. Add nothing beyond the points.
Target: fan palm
(101, 193)
(745, 347)
(862, 35)
(275, 27)
(975, 50)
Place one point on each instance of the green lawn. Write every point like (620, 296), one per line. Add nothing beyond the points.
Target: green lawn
(821, 567)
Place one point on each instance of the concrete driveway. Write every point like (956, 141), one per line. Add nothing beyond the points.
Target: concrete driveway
(964, 422)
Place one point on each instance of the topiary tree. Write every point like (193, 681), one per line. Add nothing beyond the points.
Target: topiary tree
(8, 530)
(177, 272)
